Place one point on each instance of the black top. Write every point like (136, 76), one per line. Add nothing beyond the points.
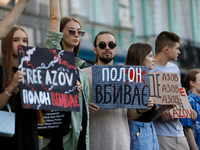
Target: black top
(84, 118)
(26, 135)
(146, 117)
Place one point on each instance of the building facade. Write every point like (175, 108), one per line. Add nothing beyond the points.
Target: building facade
(129, 20)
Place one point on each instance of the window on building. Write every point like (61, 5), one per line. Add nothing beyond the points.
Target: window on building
(104, 12)
(80, 8)
(184, 20)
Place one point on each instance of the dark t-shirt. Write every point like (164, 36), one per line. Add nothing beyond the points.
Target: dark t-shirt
(26, 135)
(146, 117)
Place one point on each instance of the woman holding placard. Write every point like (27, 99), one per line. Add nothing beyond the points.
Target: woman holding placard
(192, 128)
(25, 137)
(142, 131)
(66, 34)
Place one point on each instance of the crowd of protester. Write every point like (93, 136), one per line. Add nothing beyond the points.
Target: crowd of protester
(93, 128)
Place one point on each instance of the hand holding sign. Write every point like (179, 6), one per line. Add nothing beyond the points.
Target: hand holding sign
(151, 103)
(166, 115)
(194, 116)
(17, 78)
(79, 87)
(183, 110)
(93, 108)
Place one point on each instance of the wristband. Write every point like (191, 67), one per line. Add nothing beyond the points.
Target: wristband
(7, 93)
(138, 112)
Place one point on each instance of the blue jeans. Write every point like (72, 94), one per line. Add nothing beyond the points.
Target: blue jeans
(143, 136)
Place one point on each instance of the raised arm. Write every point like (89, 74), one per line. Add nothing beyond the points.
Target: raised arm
(54, 16)
(54, 36)
(7, 23)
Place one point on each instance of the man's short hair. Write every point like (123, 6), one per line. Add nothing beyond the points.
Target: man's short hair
(164, 39)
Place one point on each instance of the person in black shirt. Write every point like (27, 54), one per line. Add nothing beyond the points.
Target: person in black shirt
(25, 137)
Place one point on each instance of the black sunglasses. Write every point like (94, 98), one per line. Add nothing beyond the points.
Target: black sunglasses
(80, 32)
(111, 45)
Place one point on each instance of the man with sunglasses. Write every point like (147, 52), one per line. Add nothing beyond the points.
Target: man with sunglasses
(109, 128)
(105, 52)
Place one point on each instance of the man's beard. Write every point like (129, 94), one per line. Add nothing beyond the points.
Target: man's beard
(105, 60)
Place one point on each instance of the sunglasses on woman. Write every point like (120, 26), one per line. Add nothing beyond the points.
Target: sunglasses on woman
(73, 32)
(111, 45)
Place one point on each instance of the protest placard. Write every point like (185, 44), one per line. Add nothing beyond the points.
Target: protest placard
(164, 87)
(183, 110)
(120, 86)
(50, 79)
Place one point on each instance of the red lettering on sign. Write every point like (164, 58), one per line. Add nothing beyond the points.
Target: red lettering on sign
(182, 92)
(164, 99)
(182, 113)
(170, 99)
(170, 88)
(74, 100)
(63, 100)
(164, 88)
(175, 113)
(168, 77)
(179, 110)
(189, 113)
(164, 77)
(131, 76)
